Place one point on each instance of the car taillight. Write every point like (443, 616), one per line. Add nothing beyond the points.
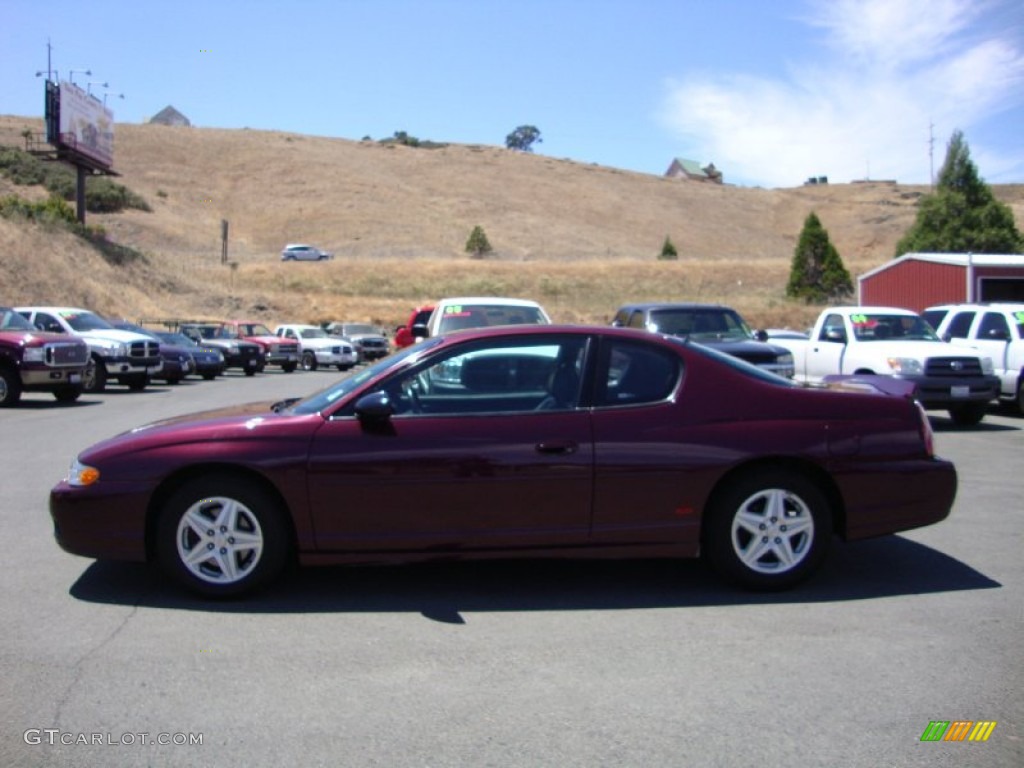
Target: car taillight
(927, 435)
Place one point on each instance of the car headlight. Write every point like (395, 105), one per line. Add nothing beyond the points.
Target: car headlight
(986, 366)
(82, 474)
(34, 354)
(906, 365)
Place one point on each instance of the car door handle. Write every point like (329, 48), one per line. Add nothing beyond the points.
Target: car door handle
(558, 447)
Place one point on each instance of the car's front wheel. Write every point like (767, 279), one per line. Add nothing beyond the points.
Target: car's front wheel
(768, 530)
(221, 536)
(308, 361)
(10, 387)
(94, 378)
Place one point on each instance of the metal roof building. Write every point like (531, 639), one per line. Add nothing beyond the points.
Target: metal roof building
(919, 280)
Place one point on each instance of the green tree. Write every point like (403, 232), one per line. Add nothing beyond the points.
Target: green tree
(523, 138)
(668, 251)
(478, 244)
(961, 215)
(817, 274)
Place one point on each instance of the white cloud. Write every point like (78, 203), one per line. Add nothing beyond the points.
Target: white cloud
(863, 106)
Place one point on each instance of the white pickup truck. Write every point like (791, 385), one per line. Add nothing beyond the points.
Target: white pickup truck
(992, 329)
(897, 342)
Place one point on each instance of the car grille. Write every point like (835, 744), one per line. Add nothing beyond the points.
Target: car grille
(953, 366)
(373, 343)
(144, 349)
(66, 354)
(288, 348)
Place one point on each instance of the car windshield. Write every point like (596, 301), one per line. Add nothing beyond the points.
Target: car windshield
(176, 338)
(700, 324)
(879, 327)
(254, 329)
(86, 321)
(313, 333)
(458, 317)
(12, 321)
(318, 401)
(363, 328)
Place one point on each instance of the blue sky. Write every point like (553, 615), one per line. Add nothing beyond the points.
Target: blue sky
(771, 91)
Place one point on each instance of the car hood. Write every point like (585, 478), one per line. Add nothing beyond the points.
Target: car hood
(114, 334)
(36, 338)
(922, 349)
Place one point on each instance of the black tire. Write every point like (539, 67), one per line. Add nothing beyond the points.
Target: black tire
(68, 394)
(1020, 394)
(209, 376)
(289, 367)
(10, 387)
(94, 379)
(247, 533)
(250, 371)
(309, 361)
(968, 414)
(789, 514)
(136, 383)
(344, 367)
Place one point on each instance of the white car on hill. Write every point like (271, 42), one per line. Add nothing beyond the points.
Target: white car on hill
(317, 347)
(302, 252)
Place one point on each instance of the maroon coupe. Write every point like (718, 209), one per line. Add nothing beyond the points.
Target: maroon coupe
(534, 442)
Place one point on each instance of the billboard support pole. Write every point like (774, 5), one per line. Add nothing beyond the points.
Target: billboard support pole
(80, 194)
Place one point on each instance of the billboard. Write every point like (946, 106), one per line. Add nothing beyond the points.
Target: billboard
(85, 127)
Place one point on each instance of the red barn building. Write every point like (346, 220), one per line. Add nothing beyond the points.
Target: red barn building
(919, 280)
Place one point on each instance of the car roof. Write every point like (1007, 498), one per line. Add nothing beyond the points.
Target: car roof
(672, 305)
(53, 310)
(290, 246)
(494, 300)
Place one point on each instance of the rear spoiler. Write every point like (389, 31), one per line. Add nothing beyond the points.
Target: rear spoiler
(870, 382)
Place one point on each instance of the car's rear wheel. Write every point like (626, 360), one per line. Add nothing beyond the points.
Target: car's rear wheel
(10, 387)
(308, 361)
(221, 536)
(768, 530)
(968, 414)
(94, 378)
(289, 367)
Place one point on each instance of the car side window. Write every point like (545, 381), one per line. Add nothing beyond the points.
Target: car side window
(833, 324)
(499, 376)
(47, 322)
(993, 326)
(636, 320)
(632, 373)
(960, 325)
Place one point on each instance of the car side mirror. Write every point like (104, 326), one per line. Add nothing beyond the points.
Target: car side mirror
(419, 330)
(761, 334)
(835, 334)
(374, 408)
(998, 334)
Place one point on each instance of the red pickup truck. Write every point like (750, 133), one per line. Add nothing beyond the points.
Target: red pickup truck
(34, 361)
(282, 352)
(415, 328)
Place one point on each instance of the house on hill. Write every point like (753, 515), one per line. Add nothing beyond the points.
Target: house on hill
(170, 116)
(682, 168)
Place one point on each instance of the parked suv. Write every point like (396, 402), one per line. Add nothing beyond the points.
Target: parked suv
(317, 347)
(994, 329)
(457, 314)
(246, 355)
(712, 325)
(31, 361)
(127, 357)
(367, 339)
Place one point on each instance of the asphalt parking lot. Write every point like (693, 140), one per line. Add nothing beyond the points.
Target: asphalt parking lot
(509, 664)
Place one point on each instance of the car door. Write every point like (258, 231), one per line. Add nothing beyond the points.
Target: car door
(477, 455)
(643, 469)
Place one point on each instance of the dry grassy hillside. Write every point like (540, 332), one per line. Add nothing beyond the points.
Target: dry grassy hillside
(579, 238)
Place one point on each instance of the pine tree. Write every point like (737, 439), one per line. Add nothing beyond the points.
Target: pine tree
(962, 215)
(668, 250)
(817, 273)
(478, 244)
